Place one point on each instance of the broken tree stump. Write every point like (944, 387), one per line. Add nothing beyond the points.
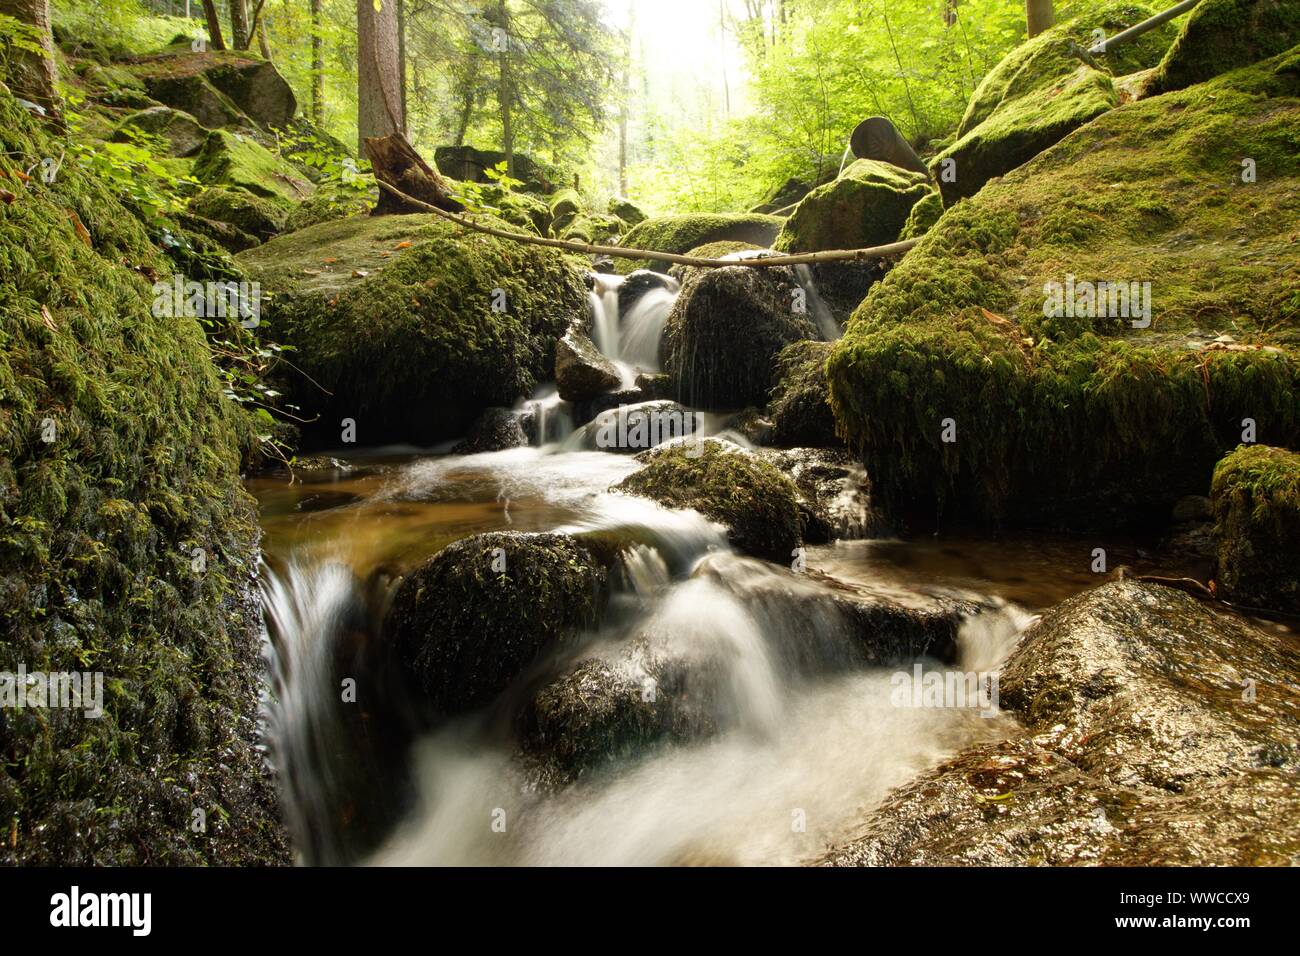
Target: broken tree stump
(396, 163)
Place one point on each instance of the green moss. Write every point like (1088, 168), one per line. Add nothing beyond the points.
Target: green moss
(235, 159)
(626, 210)
(923, 216)
(566, 205)
(466, 623)
(326, 207)
(678, 234)
(98, 531)
(866, 206)
(251, 214)
(1256, 495)
(757, 503)
(801, 410)
(1087, 421)
(520, 209)
(1222, 35)
(394, 316)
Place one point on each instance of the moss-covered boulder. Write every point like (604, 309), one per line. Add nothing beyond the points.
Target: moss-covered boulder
(626, 210)
(1038, 94)
(472, 165)
(834, 492)
(724, 331)
(866, 206)
(235, 159)
(566, 205)
(326, 206)
(682, 233)
(801, 407)
(472, 618)
(1256, 495)
(409, 325)
(923, 216)
(251, 214)
(967, 385)
(530, 212)
(128, 548)
(218, 87)
(757, 504)
(1223, 35)
(182, 132)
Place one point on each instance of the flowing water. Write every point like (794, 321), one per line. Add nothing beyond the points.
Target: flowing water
(807, 735)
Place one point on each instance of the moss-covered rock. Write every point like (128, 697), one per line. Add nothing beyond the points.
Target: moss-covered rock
(801, 408)
(251, 214)
(326, 206)
(394, 316)
(1085, 419)
(834, 492)
(128, 548)
(710, 250)
(179, 130)
(218, 87)
(1256, 494)
(626, 210)
(566, 205)
(721, 338)
(520, 209)
(866, 206)
(235, 159)
(680, 234)
(471, 165)
(923, 216)
(1223, 35)
(1038, 94)
(472, 618)
(757, 504)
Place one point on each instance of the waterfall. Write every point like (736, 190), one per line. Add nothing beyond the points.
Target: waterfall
(821, 313)
(631, 341)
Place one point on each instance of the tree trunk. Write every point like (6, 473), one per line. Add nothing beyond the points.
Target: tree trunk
(401, 55)
(505, 89)
(34, 76)
(379, 93)
(215, 40)
(397, 163)
(624, 106)
(239, 24)
(1040, 15)
(263, 43)
(317, 66)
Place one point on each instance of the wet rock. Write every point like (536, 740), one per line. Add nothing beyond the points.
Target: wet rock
(866, 206)
(626, 210)
(632, 428)
(1159, 731)
(581, 371)
(497, 429)
(181, 131)
(1223, 35)
(473, 617)
(834, 492)
(723, 334)
(1256, 494)
(751, 424)
(640, 282)
(757, 504)
(801, 407)
(679, 234)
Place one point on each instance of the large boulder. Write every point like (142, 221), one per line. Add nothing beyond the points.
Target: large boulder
(411, 327)
(258, 217)
(923, 216)
(581, 371)
(969, 387)
(235, 159)
(129, 548)
(566, 205)
(1223, 35)
(218, 87)
(758, 505)
(1159, 731)
(866, 206)
(834, 492)
(723, 334)
(626, 210)
(471, 165)
(1039, 93)
(682, 233)
(1256, 495)
(469, 621)
(179, 130)
(801, 398)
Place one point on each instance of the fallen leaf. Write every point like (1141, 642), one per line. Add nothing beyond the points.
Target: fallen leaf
(7, 197)
(359, 273)
(82, 232)
(404, 244)
(48, 319)
(330, 260)
(312, 272)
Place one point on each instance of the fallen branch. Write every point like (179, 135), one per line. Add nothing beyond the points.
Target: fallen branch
(619, 252)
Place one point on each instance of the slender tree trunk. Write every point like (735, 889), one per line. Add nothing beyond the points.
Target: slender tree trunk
(317, 66)
(215, 40)
(1040, 15)
(505, 88)
(379, 94)
(463, 119)
(263, 43)
(34, 75)
(625, 105)
(239, 24)
(401, 53)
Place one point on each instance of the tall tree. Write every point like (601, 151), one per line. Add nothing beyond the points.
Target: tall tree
(379, 79)
(501, 44)
(239, 35)
(317, 65)
(34, 75)
(1040, 15)
(215, 39)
